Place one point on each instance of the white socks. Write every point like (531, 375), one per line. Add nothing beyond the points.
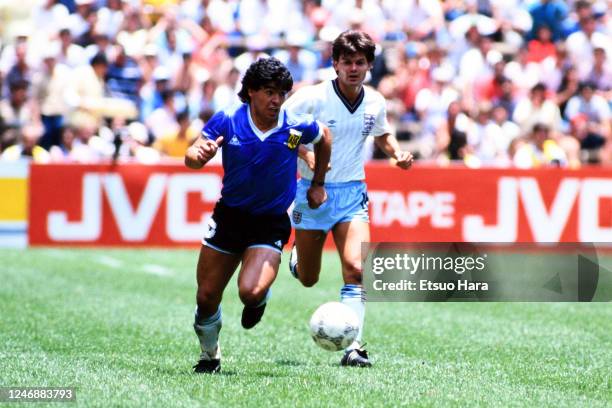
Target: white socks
(207, 330)
(354, 297)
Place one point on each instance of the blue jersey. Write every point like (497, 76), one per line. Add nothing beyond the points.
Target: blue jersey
(260, 167)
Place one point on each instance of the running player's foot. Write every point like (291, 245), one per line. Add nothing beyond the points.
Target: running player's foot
(293, 262)
(356, 358)
(252, 315)
(209, 364)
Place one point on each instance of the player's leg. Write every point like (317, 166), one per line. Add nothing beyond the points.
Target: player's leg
(258, 272)
(305, 260)
(311, 226)
(348, 237)
(214, 271)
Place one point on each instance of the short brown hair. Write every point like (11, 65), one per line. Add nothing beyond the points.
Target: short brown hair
(352, 42)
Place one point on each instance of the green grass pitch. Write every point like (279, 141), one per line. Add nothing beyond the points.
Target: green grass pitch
(116, 324)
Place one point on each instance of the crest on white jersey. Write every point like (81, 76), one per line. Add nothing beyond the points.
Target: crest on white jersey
(368, 123)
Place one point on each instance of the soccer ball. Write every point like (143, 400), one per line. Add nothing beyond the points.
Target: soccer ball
(334, 326)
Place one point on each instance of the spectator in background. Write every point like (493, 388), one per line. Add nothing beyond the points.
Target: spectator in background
(17, 111)
(226, 93)
(20, 71)
(589, 115)
(431, 105)
(539, 150)
(61, 153)
(110, 17)
(201, 98)
(79, 21)
(208, 47)
(508, 130)
(133, 35)
(581, 45)
(601, 73)
(87, 87)
(550, 13)
(151, 93)
(582, 10)
(49, 89)
(26, 148)
(419, 19)
(542, 46)
(175, 143)
(101, 43)
(506, 98)
(148, 63)
(302, 63)
(124, 77)
(537, 109)
(47, 15)
(568, 88)
(163, 119)
(196, 41)
(486, 139)
(256, 48)
(137, 145)
(70, 54)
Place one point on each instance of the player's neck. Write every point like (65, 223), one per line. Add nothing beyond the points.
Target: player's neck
(351, 93)
(263, 124)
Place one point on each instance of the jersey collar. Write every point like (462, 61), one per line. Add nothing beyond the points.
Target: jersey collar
(352, 107)
(264, 135)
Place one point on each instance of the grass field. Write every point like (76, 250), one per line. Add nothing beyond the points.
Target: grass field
(116, 324)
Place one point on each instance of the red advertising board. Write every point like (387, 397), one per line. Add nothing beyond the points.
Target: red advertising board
(168, 205)
(120, 205)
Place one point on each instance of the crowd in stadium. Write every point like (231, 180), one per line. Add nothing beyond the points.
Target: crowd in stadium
(483, 82)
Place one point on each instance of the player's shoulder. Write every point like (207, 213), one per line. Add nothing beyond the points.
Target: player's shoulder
(373, 95)
(297, 119)
(316, 91)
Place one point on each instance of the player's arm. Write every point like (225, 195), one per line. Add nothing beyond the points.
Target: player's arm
(308, 156)
(388, 144)
(201, 152)
(322, 153)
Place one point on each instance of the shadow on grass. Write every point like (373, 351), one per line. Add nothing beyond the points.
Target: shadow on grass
(289, 363)
(181, 371)
(269, 374)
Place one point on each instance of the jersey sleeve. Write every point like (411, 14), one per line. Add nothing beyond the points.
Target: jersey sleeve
(216, 126)
(381, 125)
(312, 130)
(303, 101)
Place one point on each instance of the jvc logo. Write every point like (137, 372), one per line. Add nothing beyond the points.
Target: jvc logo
(546, 225)
(134, 224)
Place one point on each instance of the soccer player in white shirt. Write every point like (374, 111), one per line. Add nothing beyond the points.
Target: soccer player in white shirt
(352, 112)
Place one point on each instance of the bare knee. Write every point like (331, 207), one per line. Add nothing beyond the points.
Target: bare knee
(352, 273)
(252, 296)
(308, 281)
(207, 301)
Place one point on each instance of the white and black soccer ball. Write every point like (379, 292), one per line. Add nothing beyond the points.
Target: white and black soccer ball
(334, 326)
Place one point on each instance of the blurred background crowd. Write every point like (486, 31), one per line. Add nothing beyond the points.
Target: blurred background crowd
(478, 82)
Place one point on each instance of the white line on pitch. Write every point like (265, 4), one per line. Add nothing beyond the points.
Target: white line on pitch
(158, 270)
(109, 261)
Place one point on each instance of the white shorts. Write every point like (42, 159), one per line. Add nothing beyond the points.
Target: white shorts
(345, 202)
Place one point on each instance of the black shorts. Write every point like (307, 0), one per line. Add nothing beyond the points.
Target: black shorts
(232, 230)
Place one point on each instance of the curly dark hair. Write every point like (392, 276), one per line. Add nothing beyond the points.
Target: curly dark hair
(265, 72)
(352, 42)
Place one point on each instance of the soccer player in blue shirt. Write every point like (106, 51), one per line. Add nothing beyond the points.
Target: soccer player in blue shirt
(250, 224)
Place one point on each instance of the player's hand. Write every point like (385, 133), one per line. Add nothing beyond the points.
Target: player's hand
(208, 149)
(310, 161)
(404, 160)
(316, 196)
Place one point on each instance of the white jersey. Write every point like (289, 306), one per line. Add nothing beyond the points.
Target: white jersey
(349, 125)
